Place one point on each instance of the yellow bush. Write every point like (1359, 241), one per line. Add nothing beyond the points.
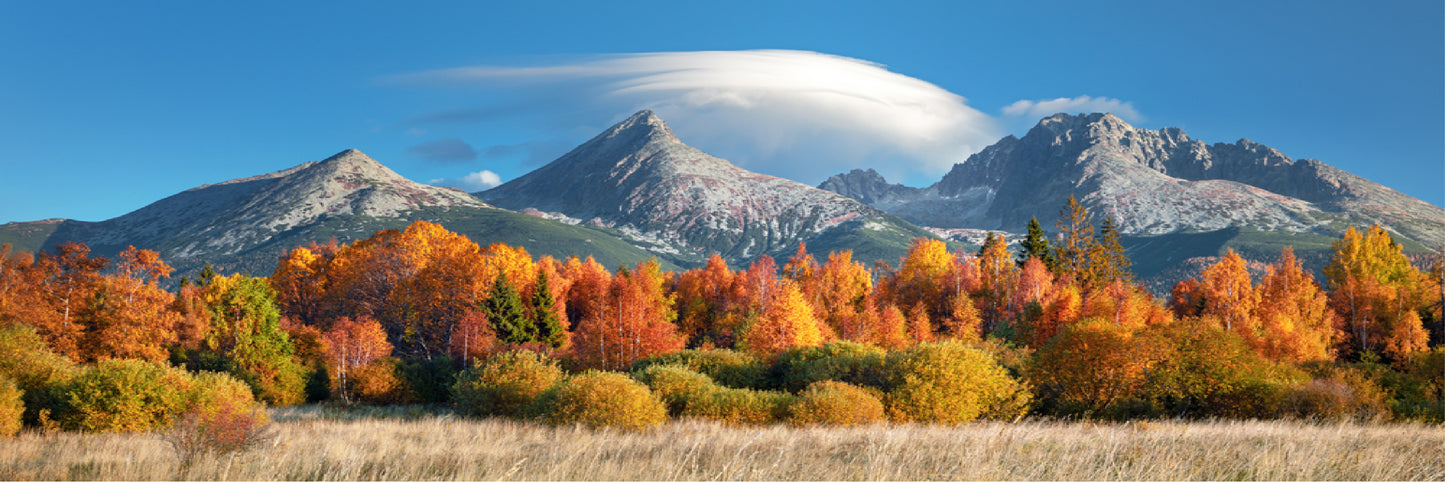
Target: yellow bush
(728, 368)
(35, 369)
(950, 382)
(11, 408)
(676, 385)
(505, 383)
(222, 417)
(741, 406)
(831, 402)
(603, 399)
(123, 396)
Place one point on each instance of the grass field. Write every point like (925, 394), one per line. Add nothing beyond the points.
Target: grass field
(319, 444)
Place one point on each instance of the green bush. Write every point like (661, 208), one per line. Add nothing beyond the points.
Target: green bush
(741, 406)
(123, 396)
(831, 402)
(950, 382)
(505, 383)
(430, 380)
(12, 409)
(844, 361)
(676, 385)
(601, 399)
(728, 368)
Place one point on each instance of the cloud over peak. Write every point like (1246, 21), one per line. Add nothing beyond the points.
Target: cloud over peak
(1038, 109)
(803, 115)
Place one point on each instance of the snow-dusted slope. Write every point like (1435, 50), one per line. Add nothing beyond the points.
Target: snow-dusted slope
(1151, 182)
(638, 178)
(228, 217)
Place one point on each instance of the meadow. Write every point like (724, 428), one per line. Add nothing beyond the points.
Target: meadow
(325, 443)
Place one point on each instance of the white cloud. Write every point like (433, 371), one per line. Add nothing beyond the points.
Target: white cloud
(796, 114)
(1038, 109)
(474, 182)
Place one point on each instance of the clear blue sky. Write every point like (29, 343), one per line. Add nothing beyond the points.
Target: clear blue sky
(108, 106)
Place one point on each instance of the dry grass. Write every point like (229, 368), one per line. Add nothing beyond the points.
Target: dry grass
(316, 444)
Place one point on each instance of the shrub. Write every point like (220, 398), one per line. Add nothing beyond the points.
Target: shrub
(37, 371)
(123, 396)
(1093, 365)
(602, 399)
(377, 383)
(831, 402)
(505, 383)
(12, 409)
(1204, 371)
(741, 406)
(949, 382)
(430, 380)
(676, 385)
(728, 368)
(222, 417)
(1341, 393)
(844, 361)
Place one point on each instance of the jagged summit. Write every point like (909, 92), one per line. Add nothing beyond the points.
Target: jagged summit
(1152, 182)
(639, 178)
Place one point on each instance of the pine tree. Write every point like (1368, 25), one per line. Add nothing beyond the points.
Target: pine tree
(1036, 245)
(505, 311)
(544, 315)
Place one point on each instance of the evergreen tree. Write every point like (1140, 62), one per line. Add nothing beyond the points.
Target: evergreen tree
(547, 326)
(508, 317)
(1036, 245)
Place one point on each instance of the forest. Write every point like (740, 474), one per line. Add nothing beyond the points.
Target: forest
(1054, 329)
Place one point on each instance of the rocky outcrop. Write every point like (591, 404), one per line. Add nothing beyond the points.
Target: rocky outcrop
(638, 178)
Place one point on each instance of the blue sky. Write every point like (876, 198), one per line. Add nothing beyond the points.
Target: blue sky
(108, 106)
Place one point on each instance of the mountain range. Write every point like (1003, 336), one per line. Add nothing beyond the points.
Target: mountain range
(1174, 197)
(636, 191)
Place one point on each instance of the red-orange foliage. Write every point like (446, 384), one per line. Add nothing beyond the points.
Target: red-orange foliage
(635, 320)
(131, 316)
(352, 344)
(786, 321)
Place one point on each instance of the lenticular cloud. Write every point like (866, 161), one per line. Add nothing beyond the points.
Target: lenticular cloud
(801, 115)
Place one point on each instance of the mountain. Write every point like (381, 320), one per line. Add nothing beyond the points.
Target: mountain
(637, 177)
(1154, 183)
(248, 223)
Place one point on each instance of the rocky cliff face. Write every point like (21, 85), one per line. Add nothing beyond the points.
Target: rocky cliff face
(638, 178)
(1153, 182)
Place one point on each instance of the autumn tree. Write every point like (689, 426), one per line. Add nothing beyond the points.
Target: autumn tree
(787, 321)
(841, 288)
(635, 320)
(130, 315)
(246, 333)
(1107, 260)
(61, 286)
(1377, 293)
(1000, 278)
(1296, 322)
(1076, 239)
(351, 344)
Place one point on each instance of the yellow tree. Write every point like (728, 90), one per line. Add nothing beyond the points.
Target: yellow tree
(350, 345)
(841, 288)
(1229, 295)
(1000, 279)
(1377, 293)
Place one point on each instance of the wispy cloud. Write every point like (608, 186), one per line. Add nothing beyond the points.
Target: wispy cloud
(477, 181)
(1037, 109)
(802, 115)
(450, 150)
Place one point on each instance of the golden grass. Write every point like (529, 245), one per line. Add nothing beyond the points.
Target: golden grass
(318, 445)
